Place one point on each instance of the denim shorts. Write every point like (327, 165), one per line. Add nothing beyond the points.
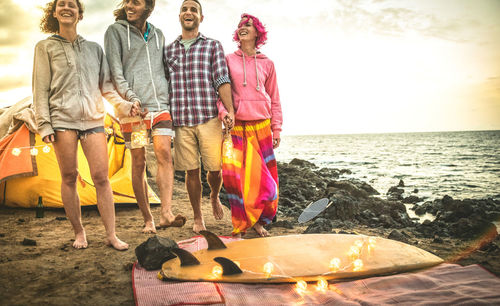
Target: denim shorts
(81, 134)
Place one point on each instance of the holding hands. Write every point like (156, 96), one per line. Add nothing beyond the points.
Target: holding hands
(229, 121)
(136, 110)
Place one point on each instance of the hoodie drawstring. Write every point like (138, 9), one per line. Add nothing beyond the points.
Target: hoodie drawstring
(245, 72)
(257, 73)
(157, 44)
(128, 36)
(65, 53)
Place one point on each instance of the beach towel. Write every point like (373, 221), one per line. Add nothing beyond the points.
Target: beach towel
(446, 284)
(250, 174)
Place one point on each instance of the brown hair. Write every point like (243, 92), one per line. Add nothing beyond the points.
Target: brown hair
(120, 13)
(49, 23)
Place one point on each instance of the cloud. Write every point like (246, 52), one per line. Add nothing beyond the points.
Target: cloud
(15, 24)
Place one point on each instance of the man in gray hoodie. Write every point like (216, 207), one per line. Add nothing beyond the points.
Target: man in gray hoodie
(134, 49)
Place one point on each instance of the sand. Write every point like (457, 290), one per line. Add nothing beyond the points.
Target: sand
(53, 273)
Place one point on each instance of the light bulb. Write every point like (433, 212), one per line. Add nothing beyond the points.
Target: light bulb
(217, 271)
(357, 265)
(359, 244)
(322, 285)
(353, 252)
(34, 151)
(335, 264)
(46, 149)
(301, 286)
(268, 268)
(16, 151)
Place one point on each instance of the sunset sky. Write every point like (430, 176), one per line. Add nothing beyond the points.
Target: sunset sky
(344, 66)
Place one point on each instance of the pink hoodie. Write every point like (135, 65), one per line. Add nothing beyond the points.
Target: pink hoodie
(254, 90)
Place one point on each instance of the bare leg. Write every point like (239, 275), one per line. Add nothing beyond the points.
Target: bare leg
(260, 230)
(65, 147)
(164, 177)
(140, 188)
(95, 149)
(194, 188)
(214, 179)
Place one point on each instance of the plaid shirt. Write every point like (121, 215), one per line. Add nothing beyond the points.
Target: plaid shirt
(195, 76)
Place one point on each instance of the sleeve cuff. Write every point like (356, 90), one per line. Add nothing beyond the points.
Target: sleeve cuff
(45, 130)
(276, 134)
(222, 80)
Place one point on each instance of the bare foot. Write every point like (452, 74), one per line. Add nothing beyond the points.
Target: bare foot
(178, 221)
(217, 207)
(260, 230)
(166, 218)
(149, 227)
(80, 241)
(116, 243)
(199, 225)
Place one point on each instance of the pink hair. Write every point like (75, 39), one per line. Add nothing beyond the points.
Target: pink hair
(261, 30)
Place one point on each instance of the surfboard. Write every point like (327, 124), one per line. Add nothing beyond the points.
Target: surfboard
(308, 257)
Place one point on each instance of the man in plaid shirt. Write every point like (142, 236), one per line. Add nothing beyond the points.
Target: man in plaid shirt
(198, 76)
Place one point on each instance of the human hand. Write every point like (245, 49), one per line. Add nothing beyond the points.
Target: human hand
(229, 121)
(144, 113)
(49, 138)
(276, 142)
(136, 109)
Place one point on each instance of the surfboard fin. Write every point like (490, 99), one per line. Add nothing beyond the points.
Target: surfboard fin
(214, 242)
(228, 266)
(186, 258)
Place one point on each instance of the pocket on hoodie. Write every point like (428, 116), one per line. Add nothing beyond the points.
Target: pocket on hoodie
(96, 108)
(253, 110)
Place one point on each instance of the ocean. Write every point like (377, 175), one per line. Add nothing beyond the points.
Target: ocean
(459, 164)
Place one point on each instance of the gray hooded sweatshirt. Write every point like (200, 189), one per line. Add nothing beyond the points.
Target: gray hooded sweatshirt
(69, 81)
(136, 65)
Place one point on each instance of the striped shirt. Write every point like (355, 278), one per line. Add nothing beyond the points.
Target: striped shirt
(195, 76)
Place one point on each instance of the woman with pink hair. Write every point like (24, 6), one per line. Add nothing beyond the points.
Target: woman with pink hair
(250, 171)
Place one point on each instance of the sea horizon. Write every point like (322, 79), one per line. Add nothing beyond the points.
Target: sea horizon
(461, 164)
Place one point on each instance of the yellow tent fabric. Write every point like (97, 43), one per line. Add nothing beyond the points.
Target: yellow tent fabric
(23, 189)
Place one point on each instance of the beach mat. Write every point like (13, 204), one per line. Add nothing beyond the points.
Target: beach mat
(446, 284)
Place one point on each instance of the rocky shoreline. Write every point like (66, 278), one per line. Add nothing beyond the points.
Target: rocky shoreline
(462, 231)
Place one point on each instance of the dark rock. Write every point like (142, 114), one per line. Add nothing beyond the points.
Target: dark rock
(282, 223)
(152, 253)
(401, 183)
(349, 187)
(320, 225)
(411, 199)
(395, 189)
(397, 235)
(420, 211)
(447, 202)
(2, 235)
(438, 239)
(20, 220)
(415, 190)
(61, 218)
(345, 171)
(387, 221)
(29, 242)
(343, 207)
(302, 163)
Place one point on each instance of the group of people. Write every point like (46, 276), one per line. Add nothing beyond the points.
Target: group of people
(179, 92)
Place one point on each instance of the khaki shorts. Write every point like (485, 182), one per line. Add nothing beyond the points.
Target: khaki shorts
(203, 140)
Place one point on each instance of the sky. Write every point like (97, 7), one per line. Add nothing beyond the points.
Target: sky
(343, 66)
